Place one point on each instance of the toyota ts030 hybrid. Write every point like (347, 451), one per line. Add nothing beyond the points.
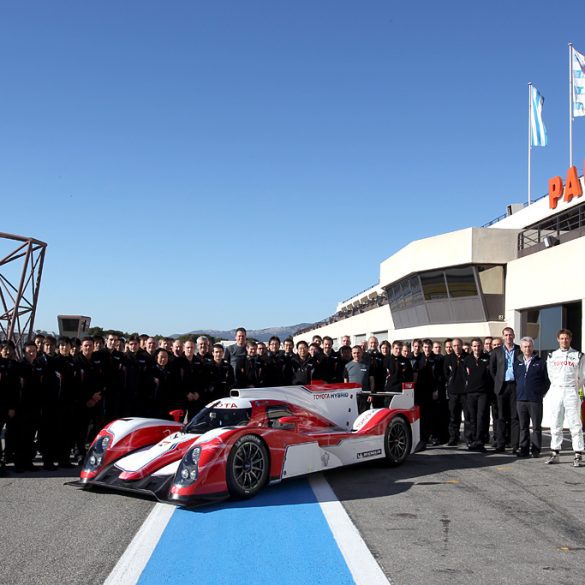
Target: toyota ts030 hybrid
(257, 436)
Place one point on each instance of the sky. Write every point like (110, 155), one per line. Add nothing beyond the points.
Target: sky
(208, 165)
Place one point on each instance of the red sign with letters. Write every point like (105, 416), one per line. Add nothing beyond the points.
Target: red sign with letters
(571, 189)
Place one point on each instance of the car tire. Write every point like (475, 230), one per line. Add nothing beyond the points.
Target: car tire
(397, 441)
(247, 467)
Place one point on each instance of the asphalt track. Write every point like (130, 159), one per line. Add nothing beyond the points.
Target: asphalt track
(445, 517)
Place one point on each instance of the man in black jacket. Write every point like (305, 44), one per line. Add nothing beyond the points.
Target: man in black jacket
(398, 370)
(532, 384)
(221, 376)
(249, 372)
(28, 407)
(454, 372)
(502, 369)
(429, 394)
(478, 387)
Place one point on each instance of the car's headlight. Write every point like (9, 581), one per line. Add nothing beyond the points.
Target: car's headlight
(195, 454)
(96, 453)
(102, 443)
(188, 469)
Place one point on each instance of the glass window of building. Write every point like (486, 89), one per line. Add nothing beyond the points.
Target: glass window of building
(461, 282)
(433, 285)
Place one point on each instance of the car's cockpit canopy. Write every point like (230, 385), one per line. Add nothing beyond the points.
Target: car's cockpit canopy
(217, 416)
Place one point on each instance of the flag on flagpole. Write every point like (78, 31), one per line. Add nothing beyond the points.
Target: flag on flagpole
(578, 69)
(538, 135)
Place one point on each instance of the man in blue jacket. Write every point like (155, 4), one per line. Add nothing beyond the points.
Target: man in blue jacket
(532, 384)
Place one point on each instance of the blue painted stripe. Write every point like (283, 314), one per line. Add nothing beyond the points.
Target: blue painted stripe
(280, 536)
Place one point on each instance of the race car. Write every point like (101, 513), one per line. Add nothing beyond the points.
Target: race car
(258, 436)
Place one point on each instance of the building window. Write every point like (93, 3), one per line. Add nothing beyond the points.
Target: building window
(461, 282)
(433, 285)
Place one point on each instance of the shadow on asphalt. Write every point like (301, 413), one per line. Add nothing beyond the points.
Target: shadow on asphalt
(371, 480)
(366, 480)
(8, 471)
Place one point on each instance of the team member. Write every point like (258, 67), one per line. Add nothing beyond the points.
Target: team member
(455, 374)
(416, 355)
(193, 377)
(566, 370)
(177, 349)
(221, 378)
(63, 428)
(478, 387)
(532, 384)
(502, 368)
(273, 362)
(27, 411)
(289, 362)
(165, 387)
(429, 394)
(92, 385)
(359, 372)
(114, 371)
(329, 364)
(236, 351)
(9, 391)
(249, 371)
(305, 365)
(398, 370)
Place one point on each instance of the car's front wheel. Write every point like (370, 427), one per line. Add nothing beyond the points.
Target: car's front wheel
(247, 467)
(397, 441)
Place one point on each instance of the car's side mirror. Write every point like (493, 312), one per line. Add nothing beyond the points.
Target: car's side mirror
(178, 415)
(288, 423)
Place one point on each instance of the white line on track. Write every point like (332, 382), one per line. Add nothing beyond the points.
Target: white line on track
(362, 565)
(131, 564)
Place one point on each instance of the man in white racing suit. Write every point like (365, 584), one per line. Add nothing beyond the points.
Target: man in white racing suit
(566, 371)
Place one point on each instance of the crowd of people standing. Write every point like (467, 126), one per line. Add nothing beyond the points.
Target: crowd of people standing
(58, 396)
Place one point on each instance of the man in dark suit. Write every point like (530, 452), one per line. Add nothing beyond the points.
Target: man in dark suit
(502, 369)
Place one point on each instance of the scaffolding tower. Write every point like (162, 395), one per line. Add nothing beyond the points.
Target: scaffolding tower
(20, 281)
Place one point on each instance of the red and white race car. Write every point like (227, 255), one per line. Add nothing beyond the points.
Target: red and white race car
(257, 436)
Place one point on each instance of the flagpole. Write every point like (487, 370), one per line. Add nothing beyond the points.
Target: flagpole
(570, 105)
(529, 146)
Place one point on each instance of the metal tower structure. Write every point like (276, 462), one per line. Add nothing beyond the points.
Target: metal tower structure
(20, 281)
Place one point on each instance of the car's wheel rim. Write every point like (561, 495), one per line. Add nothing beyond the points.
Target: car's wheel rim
(397, 442)
(249, 466)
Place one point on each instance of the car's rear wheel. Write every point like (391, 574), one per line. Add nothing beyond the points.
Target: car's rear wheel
(247, 467)
(397, 441)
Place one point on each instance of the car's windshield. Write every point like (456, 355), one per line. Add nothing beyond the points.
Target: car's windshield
(213, 418)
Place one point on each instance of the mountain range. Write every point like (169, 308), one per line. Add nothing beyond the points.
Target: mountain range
(259, 334)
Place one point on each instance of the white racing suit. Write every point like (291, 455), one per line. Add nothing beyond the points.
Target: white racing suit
(566, 373)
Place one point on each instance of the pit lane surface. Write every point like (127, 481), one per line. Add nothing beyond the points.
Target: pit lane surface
(446, 516)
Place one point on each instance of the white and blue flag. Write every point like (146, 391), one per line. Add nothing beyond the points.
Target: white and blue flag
(538, 135)
(578, 69)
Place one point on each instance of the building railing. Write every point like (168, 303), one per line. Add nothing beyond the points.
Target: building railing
(358, 294)
(368, 305)
(504, 215)
(554, 227)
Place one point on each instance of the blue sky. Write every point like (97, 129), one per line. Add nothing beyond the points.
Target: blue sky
(215, 164)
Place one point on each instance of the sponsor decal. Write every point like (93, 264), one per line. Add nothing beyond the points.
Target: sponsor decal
(327, 395)
(226, 405)
(565, 363)
(371, 453)
(325, 458)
